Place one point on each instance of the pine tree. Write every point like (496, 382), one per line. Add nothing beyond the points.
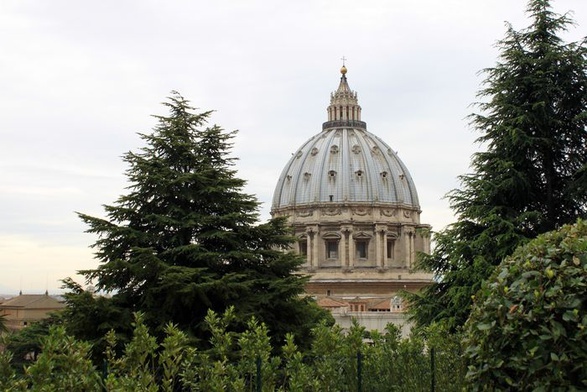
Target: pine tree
(3, 327)
(531, 178)
(185, 239)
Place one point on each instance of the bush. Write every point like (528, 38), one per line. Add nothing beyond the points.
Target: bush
(527, 329)
(339, 360)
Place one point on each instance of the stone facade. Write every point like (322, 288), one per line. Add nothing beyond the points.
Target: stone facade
(25, 309)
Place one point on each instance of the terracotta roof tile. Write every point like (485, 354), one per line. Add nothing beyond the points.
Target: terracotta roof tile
(327, 302)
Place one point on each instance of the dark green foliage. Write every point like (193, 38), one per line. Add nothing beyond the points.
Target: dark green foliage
(531, 177)
(527, 330)
(336, 362)
(90, 317)
(3, 327)
(63, 365)
(390, 363)
(185, 239)
(25, 344)
(8, 377)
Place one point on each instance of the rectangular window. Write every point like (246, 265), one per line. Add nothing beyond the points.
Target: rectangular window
(362, 248)
(390, 245)
(303, 248)
(332, 249)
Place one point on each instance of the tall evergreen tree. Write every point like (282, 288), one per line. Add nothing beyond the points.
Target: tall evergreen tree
(531, 178)
(186, 239)
(3, 327)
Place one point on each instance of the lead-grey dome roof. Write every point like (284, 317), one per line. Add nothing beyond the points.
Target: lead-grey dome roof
(345, 163)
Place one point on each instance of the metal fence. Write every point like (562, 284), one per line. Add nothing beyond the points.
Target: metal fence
(400, 368)
(432, 370)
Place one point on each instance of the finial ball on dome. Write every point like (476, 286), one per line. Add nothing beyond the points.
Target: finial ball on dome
(343, 70)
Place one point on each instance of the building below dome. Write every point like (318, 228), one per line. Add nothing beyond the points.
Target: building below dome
(355, 212)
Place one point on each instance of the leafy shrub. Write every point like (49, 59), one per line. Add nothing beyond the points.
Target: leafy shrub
(527, 329)
(63, 365)
(339, 361)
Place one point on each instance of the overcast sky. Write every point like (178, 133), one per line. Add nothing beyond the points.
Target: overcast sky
(79, 79)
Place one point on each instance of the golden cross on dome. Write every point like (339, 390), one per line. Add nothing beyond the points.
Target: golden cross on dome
(343, 60)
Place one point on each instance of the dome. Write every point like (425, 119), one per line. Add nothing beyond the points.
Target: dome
(345, 163)
(354, 216)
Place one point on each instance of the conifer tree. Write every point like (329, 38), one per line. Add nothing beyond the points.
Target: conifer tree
(185, 239)
(3, 327)
(531, 177)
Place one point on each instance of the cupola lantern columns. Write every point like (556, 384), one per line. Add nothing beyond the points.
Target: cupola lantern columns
(344, 109)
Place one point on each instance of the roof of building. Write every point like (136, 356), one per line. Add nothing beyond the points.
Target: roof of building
(373, 304)
(345, 163)
(327, 302)
(33, 301)
(380, 304)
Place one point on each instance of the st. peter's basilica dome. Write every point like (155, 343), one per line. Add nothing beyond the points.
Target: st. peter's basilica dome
(355, 212)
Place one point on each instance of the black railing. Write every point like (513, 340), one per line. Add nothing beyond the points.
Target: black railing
(344, 123)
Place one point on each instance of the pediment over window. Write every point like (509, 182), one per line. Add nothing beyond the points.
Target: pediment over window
(392, 235)
(362, 236)
(331, 235)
